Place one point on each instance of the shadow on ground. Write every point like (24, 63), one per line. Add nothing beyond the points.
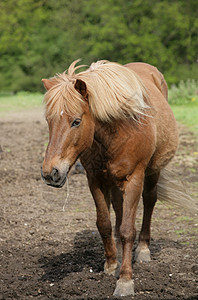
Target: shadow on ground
(88, 253)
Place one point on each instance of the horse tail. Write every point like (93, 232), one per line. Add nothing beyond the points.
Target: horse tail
(171, 191)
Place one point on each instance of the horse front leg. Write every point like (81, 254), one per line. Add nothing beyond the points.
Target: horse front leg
(117, 202)
(131, 195)
(101, 197)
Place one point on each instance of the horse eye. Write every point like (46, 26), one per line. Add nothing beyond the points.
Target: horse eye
(76, 122)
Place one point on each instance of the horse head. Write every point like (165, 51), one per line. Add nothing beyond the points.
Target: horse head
(69, 135)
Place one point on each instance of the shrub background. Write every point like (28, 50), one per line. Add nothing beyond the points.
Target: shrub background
(185, 92)
(39, 38)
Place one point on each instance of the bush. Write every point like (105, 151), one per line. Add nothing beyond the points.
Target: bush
(185, 92)
(181, 72)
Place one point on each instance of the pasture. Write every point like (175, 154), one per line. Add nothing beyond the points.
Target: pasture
(48, 253)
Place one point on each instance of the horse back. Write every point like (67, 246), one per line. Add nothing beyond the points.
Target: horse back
(150, 73)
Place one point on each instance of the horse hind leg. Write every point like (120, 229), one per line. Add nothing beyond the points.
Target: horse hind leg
(142, 253)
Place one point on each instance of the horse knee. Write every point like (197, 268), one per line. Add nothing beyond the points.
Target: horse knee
(127, 233)
(104, 228)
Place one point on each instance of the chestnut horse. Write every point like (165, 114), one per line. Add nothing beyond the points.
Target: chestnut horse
(117, 120)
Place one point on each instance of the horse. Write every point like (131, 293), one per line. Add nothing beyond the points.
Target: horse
(117, 120)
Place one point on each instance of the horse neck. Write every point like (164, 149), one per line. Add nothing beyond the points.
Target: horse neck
(105, 133)
(109, 135)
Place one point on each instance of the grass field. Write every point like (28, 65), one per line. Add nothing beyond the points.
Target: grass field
(185, 113)
(21, 101)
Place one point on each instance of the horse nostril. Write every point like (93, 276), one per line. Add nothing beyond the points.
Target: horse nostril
(55, 175)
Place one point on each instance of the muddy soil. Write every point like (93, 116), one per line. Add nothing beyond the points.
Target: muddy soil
(48, 253)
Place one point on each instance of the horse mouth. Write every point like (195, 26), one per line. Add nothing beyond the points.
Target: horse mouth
(57, 185)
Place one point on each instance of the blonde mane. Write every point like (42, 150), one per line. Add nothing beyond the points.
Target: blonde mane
(114, 92)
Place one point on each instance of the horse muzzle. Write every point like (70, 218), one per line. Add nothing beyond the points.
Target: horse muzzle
(55, 178)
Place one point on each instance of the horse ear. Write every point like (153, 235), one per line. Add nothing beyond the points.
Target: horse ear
(48, 83)
(81, 87)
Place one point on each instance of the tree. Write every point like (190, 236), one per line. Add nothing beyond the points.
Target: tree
(39, 38)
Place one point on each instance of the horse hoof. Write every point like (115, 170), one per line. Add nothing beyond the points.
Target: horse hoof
(124, 288)
(142, 255)
(112, 269)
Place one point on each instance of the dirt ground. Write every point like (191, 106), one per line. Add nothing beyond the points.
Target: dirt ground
(48, 253)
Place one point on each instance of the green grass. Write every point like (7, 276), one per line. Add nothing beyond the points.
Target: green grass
(187, 114)
(19, 102)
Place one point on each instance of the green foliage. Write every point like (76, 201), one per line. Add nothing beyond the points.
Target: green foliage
(181, 73)
(183, 99)
(185, 92)
(39, 38)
